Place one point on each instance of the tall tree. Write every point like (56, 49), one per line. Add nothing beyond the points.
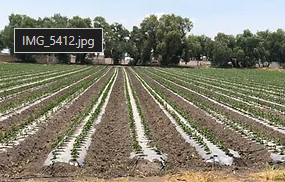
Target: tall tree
(119, 40)
(78, 22)
(209, 48)
(18, 21)
(149, 27)
(100, 22)
(1, 41)
(135, 48)
(277, 46)
(221, 54)
(203, 40)
(171, 31)
(248, 42)
(195, 47)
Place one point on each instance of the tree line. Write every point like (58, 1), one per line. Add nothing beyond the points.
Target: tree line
(166, 39)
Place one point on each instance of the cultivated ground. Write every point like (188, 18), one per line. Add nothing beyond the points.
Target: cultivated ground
(63, 122)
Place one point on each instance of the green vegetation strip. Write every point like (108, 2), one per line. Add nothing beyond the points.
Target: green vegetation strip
(146, 129)
(235, 124)
(10, 71)
(76, 120)
(136, 146)
(61, 83)
(24, 88)
(6, 136)
(243, 107)
(34, 78)
(232, 91)
(251, 80)
(205, 132)
(87, 126)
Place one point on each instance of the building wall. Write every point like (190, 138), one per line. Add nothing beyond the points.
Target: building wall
(275, 65)
(6, 58)
(72, 59)
(109, 61)
(46, 60)
(194, 63)
(102, 60)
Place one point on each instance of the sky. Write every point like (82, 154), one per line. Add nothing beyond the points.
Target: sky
(208, 16)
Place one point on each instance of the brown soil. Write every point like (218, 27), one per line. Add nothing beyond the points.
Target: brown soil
(28, 90)
(180, 155)
(28, 157)
(252, 154)
(9, 122)
(39, 90)
(240, 118)
(32, 79)
(108, 155)
(263, 109)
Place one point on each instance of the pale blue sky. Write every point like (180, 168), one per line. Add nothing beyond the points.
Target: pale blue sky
(209, 16)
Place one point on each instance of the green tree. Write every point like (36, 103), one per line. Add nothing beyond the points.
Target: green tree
(203, 40)
(1, 41)
(119, 40)
(221, 54)
(248, 42)
(78, 22)
(171, 32)
(135, 46)
(186, 54)
(209, 48)
(100, 22)
(264, 48)
(148, 29)
(18, 21)
(195, 47)
(63, 58)
(222, 50)
(277, 45)
(60, 21)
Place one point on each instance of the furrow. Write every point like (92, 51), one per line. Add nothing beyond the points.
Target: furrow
(144, 151)
(213, 153)
(29, 129)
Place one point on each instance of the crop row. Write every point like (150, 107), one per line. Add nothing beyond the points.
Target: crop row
(243, 107)
(76, 120)
(237, 125)
(47, 92)
(202, 136)
(6, 136)
(14, 71)
(261, 96)
(261, 78)
(90, 122)
(246, 98)
(19, 89)
(34, 78)
(28, 76)
(136, 146)
(143, 144)
(35, 81)
(246, 83)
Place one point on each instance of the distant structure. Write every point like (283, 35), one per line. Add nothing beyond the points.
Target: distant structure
(97, 59)
(5, 57)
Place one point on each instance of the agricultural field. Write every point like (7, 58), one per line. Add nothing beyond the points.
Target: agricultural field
(115, 121)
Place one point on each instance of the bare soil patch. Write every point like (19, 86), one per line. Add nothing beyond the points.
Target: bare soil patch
(27, 159)
(252, 154)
